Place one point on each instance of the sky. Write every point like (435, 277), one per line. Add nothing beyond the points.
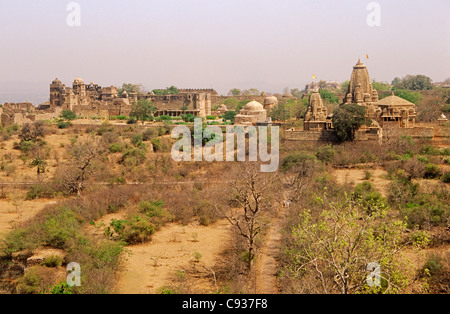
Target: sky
(220, 44)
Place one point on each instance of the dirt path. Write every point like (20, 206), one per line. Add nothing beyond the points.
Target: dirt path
(171, 254)
(268, 257)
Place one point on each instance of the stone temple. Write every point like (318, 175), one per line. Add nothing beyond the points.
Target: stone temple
(316, 117)
(390, 116)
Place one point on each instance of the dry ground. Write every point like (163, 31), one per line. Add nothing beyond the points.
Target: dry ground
(168, 260)
(27, 209)
(356, 176)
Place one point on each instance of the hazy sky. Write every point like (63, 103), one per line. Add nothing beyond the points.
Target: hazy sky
(265, 44)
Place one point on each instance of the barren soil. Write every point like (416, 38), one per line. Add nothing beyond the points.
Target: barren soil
(155, 265)
(357, 176)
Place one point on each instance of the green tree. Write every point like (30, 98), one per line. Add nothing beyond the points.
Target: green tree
(414, 82)
(381, 86)
(143, 110)
(254, 92)
(68, 115)
(347, 119)
(344, 86)
(280, 112)
(414, 97)
(234, 92)
(328, 96)
(172, 90)
(40, 165)
(229, 116)
(334, 248)
(129, 88)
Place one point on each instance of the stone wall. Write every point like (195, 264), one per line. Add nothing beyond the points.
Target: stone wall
(416, 132)
(300, 135)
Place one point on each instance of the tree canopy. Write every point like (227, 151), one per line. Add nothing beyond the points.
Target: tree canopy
(347, 119)
(413, 82)
(130, 87)
(172, 90)
(234, 92)
(142, 110)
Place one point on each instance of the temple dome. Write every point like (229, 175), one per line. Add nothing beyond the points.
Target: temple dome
(253, 106)
(56, 81)
(271, 100)
(78, 81)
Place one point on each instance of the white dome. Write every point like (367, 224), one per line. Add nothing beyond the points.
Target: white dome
(271, 100)
(253, 106)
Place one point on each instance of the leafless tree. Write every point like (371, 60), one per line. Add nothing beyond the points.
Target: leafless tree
(82, 156)
(251, 197)
(298, 178)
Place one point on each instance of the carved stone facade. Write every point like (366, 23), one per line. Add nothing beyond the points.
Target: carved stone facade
(391, 111)
(361, 92)
(397, 112)
(316, 117)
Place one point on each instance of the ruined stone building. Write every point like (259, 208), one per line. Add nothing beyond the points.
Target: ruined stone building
(93, 100)
(21, 113)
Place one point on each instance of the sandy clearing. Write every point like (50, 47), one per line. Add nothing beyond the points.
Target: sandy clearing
(154, 265)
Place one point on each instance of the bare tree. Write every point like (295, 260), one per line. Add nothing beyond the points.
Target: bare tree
(299, 177)
(251, 194)
(82, 156)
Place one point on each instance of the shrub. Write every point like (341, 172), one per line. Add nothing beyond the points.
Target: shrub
(446, 177)
(63, 288)
(64, 125)
(149, 133)
(106, 127)
(136, 139)
(52, 261)
(430, 150)
(152, 209)
(116, 147)
(211, 117)
(295, 158)
(420, 238)
(445, 152)
(133, 230)
(26, 146)
(30, 283)
(133, 157)
(156, 142)
(433, 266)
(68, 115)
(120, 117)
(326, 154)
(432, 171)
(41, 191)
(58, 229)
